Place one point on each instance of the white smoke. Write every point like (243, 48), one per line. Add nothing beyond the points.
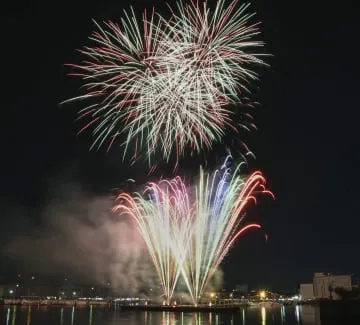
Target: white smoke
(81, 236)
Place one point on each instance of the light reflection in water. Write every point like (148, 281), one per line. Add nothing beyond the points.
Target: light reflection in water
(310, 315)
(62, 316)
(28, 316)
(253, 315)
(145, 317)
(297, 314)
(72, 315)
(13, 320)
(8, 316)
(263, 316)
(90, 315)
(169, 318)
(282, 313)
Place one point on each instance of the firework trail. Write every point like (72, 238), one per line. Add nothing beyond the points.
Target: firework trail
(168, 84)
(162, 214)
(191, 236)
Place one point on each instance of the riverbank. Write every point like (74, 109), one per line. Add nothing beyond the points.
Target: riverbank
(55, 303)
(129, 307)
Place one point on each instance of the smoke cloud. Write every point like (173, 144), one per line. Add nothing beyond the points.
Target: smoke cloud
(82, 237)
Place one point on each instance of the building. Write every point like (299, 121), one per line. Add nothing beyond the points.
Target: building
(306, 291)
(325, 285)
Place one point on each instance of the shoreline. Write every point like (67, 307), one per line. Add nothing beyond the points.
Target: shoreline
(108, 304)
(54, 303)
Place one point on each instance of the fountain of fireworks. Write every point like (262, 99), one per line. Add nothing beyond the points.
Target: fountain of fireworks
(161, 213)
(191, 236)
(218, 214)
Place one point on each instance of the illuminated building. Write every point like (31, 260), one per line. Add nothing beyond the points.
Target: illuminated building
(306, 291)
(325, 285)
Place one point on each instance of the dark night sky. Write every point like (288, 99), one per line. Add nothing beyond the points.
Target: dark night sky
(306, 145)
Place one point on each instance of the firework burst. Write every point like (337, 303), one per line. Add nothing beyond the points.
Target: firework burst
(168, 84)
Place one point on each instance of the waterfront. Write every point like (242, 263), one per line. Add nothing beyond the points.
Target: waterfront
(43, 315)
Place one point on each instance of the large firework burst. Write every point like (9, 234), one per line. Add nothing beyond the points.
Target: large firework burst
(166, 84)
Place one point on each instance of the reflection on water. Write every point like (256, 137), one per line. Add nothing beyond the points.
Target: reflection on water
(72, 315)
(310, 315)
(28, 316)
(8, 316)
(90, 315)
(280, 315)
(297, 313)
(62, 316)
(13, 320)
(263, 315)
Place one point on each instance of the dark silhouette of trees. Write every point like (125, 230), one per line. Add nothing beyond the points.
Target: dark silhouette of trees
(348, 294)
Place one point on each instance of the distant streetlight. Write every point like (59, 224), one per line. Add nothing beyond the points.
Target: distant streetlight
(11, 291)
(262, 294)
(74, 293)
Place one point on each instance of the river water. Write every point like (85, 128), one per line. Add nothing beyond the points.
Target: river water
(15, 315)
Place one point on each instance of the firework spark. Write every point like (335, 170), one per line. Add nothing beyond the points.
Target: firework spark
(168, 84)
(190, 236)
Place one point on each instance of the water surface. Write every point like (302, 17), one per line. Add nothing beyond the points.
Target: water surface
(15, 315)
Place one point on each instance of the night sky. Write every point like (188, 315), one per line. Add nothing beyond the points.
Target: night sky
(306, 143)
